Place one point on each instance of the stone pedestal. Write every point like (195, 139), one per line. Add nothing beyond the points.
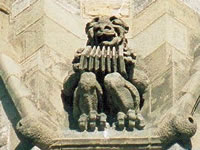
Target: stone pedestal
(103, 141)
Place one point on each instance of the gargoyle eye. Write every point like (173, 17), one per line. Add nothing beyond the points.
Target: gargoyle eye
(117, 22)
(113, 18)
(96, 19)
(97, 29)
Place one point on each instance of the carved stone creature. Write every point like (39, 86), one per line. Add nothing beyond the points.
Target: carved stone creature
(86, 98)
(104, 31)
(124, 99)
(102, 82)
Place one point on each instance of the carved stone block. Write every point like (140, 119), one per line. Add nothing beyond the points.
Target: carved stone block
(106, 8)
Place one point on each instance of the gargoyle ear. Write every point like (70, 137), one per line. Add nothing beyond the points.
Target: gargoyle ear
(96, 19)
(120, 22)
(113, 18)
(87, 27)
(90, 24)
(126, 28)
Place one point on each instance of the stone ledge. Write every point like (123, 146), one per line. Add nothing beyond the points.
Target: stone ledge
(128, 143)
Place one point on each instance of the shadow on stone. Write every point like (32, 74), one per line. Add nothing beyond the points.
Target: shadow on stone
(13, 116)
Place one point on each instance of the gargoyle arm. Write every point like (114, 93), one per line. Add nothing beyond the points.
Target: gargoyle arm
(70, 83)
(76, 110)
(135, 94)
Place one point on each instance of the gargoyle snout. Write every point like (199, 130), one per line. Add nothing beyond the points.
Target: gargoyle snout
(106, 27)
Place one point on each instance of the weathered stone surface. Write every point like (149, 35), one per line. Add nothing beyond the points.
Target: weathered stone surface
(67, 43)
(42, 32)
(39, 129)
(193, 4)
(21, 97)
(6, 63)
(45, 35)
(49, 62)
(177, 35)
(61, 16)
(159, 8)
(5, 7)
(4, 26)
(20, 5)
(4, 128)
(176, 128)
(8, 49)
(196, 137)
(151, 38)
(46, 94)
(165, 29)
(120, 99)
(120, 8)
(8, 119)
(72, 6)
(169, 57)
(140, 5)
(163, 55)
(124, 142)
(161, 96)
(28, 17)
(30, 40)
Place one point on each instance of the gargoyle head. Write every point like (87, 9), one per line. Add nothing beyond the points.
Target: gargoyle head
(106, 31)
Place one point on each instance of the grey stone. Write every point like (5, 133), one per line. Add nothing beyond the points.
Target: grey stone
(103, 80)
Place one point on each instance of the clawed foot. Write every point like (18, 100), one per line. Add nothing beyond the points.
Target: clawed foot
(127, 121)
(83, 121)
(102, 121)
(89, 122)
(130, 120)
(140, 122)
(92, 120)
(121, 120)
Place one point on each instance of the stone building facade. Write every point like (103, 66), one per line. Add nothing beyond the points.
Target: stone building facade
(41, 37)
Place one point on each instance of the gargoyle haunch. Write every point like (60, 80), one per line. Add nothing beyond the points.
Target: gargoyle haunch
(102, 88)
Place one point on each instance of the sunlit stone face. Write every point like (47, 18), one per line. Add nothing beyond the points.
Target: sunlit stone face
(106, 31)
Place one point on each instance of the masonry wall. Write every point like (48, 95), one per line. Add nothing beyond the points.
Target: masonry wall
(42, 36)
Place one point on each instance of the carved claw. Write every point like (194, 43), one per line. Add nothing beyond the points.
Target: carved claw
(131, 119)
(92, 120)
(121, 120)
(102, 124)
(140, 122)
(83, 122)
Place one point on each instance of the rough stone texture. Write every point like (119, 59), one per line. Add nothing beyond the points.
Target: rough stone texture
(120, 100)
(193, 4)
(4, 129)
(107, 8)
(176, 129)
(43, 35)
(127, 142)
(169, 74)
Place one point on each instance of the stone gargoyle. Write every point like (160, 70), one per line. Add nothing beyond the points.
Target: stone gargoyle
(117, 94)
(102, 85)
